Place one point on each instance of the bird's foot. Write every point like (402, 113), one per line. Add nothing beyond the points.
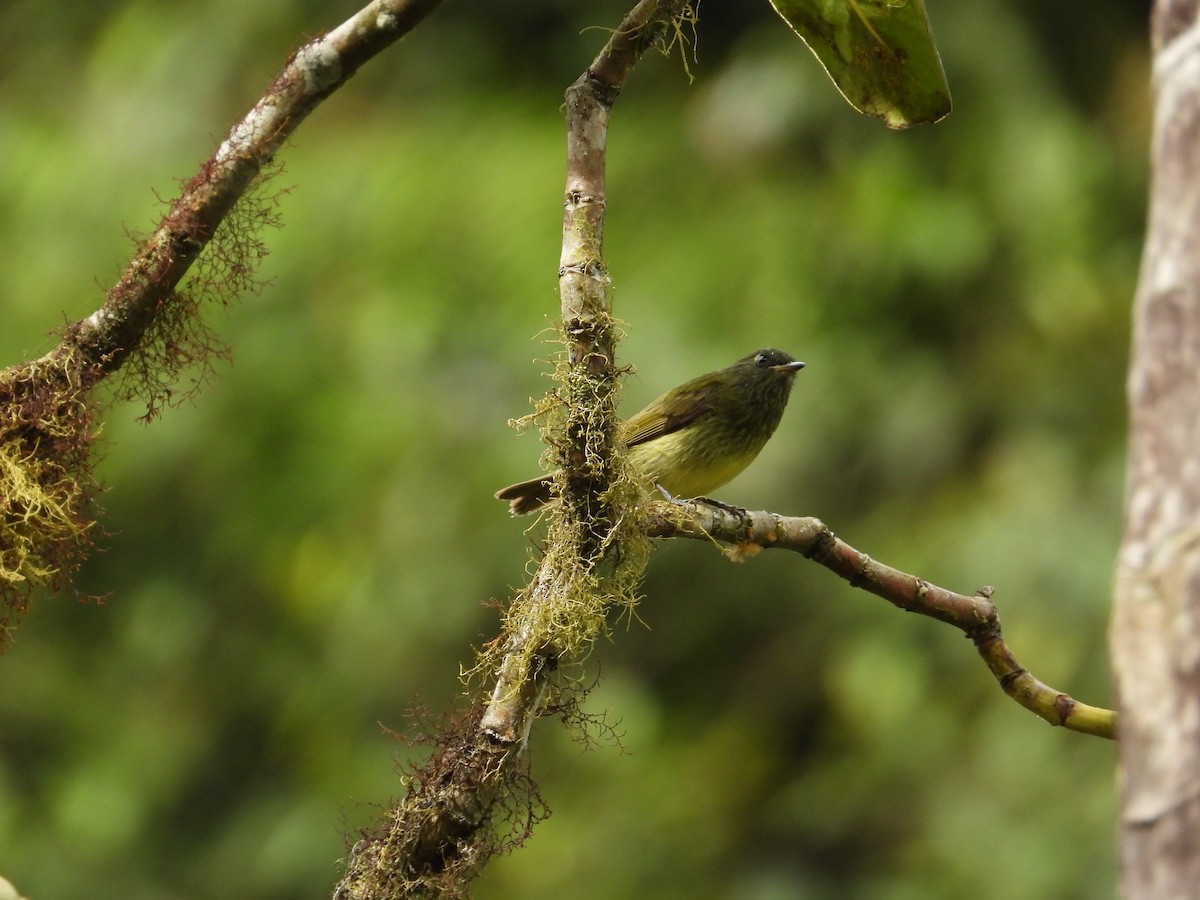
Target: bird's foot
(743, 514)
(671, 498)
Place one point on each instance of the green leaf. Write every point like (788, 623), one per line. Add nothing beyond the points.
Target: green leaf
(879, 53)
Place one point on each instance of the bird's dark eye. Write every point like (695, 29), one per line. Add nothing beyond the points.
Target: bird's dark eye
(761, 360)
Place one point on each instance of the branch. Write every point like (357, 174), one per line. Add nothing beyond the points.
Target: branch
(107, 337)
(562, 610)
(448, 825)
(46, 407)
(976, 616)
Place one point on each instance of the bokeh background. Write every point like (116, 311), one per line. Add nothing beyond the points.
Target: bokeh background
(306, 551)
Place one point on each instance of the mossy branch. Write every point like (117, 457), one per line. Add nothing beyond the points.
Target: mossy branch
(436, 839)
(149, 326)
(108, 336)
(975, 615)
(596, 549)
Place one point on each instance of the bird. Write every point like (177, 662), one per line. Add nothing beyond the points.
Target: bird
(697, 436)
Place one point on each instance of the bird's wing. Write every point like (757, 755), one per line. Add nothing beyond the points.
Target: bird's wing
(666, 415)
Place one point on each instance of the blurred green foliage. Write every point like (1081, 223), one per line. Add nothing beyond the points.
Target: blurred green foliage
(304, 552)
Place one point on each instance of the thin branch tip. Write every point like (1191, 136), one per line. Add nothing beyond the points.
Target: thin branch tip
(976, 615)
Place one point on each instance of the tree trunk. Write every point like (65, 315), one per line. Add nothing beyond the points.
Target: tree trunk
(1156, 621)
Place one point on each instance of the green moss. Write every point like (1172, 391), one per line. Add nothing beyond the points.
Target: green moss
(596, 548)
(45, 480)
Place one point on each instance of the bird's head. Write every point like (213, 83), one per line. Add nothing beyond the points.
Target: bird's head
(774, 361)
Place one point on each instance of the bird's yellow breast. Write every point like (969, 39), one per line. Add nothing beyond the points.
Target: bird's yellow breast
(673, 462)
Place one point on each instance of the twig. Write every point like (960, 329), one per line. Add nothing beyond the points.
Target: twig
(975, 615)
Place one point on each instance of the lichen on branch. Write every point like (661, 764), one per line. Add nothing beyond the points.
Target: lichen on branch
(48, 407)
(149, 328)
(178, 337)
(46, 482)
(596, 548)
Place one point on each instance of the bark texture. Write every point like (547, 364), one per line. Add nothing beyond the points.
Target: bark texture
(1156, 621)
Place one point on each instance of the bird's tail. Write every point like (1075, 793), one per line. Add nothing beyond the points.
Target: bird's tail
(526, 496)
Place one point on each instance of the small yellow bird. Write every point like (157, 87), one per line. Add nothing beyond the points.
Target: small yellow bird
(698, 436)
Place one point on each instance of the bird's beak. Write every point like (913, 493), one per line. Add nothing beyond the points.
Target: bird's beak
(788, 367)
